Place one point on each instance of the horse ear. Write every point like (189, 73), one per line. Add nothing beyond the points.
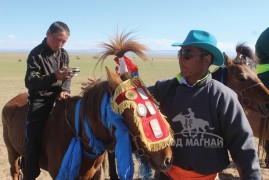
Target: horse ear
(113, 79)
(227, 60)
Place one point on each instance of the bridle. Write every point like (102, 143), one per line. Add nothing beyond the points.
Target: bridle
(246, 101)
(139, 151)
(133, 94)
(68, 123)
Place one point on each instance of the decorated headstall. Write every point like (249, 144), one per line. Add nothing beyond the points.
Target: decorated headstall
(154, 130)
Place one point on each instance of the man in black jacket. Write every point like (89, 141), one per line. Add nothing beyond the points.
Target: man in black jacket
(47, 78)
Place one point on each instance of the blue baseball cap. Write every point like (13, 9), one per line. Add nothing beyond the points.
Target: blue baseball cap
(206, 41)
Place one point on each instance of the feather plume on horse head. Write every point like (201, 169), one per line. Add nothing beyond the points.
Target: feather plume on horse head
(245, 55)
(118, 46)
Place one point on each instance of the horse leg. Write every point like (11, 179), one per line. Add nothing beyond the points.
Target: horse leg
(13, 155)
(99, 174)
(112, 166)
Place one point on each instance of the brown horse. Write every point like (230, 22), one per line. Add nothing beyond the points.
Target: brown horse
(252, 94)
(118, 46)
(59, 130)
(60, 127)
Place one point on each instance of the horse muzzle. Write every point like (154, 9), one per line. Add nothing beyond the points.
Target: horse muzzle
(164, 166)
(161, 162)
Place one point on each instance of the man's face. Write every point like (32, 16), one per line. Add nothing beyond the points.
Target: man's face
(192, 65)
(57, 40)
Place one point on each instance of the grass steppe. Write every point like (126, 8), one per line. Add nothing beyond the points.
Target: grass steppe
(12, 75)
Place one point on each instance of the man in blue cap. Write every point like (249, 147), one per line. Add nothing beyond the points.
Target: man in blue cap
(218, 124)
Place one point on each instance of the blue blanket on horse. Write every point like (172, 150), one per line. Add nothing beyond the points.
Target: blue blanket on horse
(72, 160)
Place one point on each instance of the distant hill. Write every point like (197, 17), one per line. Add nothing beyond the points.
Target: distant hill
(97, 51)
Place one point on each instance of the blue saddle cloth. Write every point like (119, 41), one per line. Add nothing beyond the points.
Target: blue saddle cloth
(72, 160)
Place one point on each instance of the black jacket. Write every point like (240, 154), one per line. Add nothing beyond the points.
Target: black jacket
(208, 121)
(40, 79)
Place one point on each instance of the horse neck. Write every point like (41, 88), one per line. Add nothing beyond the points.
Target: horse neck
(91, 112)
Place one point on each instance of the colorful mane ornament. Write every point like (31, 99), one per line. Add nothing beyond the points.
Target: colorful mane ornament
(154, 130)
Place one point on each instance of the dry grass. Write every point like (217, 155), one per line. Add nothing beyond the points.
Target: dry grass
(12, 83)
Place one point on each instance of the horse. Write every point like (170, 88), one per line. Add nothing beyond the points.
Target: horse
(61, 128)
(252, 94)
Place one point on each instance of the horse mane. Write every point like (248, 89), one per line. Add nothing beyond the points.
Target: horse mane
(121, 44)
(246, 51)
(92, 95)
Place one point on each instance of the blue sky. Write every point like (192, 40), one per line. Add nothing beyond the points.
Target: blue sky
(23, 23)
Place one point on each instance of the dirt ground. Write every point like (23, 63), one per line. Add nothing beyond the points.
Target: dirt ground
(229, 174)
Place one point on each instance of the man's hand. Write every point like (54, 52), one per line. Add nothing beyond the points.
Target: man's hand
(64, 95)
(63, 74)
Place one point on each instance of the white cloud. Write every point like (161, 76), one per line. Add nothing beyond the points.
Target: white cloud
(226, 46)
(229, 48)
(14, 44)
(158, 44)
(11, 36)
(81, 44)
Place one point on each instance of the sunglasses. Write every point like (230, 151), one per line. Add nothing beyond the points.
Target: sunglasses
(186, 54)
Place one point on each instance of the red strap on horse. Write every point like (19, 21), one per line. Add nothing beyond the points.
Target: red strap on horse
(178, 173)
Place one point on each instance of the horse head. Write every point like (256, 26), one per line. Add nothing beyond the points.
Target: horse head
(252, 94)
(149, 130)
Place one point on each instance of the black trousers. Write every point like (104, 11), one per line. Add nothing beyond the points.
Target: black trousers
(38, 112)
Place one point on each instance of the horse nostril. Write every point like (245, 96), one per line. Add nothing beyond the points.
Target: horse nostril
(167, 162)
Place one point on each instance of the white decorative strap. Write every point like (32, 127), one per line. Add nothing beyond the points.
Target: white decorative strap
(123, 67)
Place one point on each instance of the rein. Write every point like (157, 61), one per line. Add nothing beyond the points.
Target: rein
(101, 146)
(72, 129)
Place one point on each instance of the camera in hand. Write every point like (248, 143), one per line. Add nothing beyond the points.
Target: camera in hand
(74, 70)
